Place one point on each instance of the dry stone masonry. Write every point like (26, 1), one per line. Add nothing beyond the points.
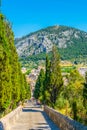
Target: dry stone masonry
(63, 122)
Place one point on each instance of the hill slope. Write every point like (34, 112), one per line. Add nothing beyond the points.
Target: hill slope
(72, 43)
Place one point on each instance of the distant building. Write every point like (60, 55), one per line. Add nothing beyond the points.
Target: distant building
(23, 70)
(33, 77)
(82, 70)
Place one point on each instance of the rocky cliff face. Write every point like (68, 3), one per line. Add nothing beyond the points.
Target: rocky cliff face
(43, 40)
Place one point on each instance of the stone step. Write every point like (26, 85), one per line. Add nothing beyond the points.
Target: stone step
(33, 118)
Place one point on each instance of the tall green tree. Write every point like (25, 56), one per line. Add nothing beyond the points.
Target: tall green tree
(73, 93)
(47, 82)
(12, 81)
(56, 81)
(5, 68)
(52, 82)
(38, 92)
(85, 92)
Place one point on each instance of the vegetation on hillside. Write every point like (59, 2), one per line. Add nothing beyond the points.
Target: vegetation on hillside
(76, 54)
(52, 82)
(71, 98)
(71, 43)
(13, 86)
(38, 92)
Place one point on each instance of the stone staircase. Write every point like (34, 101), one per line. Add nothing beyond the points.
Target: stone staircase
(33, 118)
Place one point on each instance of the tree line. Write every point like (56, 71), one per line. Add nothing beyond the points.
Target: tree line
(69, 98)
(13, 86)
(49, 84)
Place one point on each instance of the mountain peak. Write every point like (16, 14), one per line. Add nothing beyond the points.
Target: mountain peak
(43, 40)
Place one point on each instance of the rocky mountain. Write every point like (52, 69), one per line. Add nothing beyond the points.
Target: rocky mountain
(68, 40)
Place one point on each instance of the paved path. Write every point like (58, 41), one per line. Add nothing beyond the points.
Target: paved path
(33, 118)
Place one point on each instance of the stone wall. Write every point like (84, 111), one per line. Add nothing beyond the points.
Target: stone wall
(9, 119)
(63, 122)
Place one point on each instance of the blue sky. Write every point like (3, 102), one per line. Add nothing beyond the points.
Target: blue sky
(30, 15)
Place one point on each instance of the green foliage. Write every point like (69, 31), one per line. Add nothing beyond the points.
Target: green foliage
(38, 92)
(67, 69)
(12, 82)
(49, 86)
(40, 56)
(74, 94)
(56, 81)
(74, 109)
(86, 77)
(47, 82)
(85, 92)
(74, 88)
(60, 102)
(74, 51)
(28, 71)
(52, 82)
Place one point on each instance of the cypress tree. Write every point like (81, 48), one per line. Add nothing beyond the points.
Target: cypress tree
(12, 82)
(56, 81)
(47, 74)
(47, 82)
(5, 68)
(39, 85)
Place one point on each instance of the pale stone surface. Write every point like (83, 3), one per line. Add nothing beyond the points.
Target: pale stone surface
(33, 118)
(9, 119)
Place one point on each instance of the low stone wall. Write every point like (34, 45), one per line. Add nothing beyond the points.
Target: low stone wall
(9, 119)
(63, 122)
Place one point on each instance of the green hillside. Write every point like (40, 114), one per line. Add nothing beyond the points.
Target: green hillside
(71, 43)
